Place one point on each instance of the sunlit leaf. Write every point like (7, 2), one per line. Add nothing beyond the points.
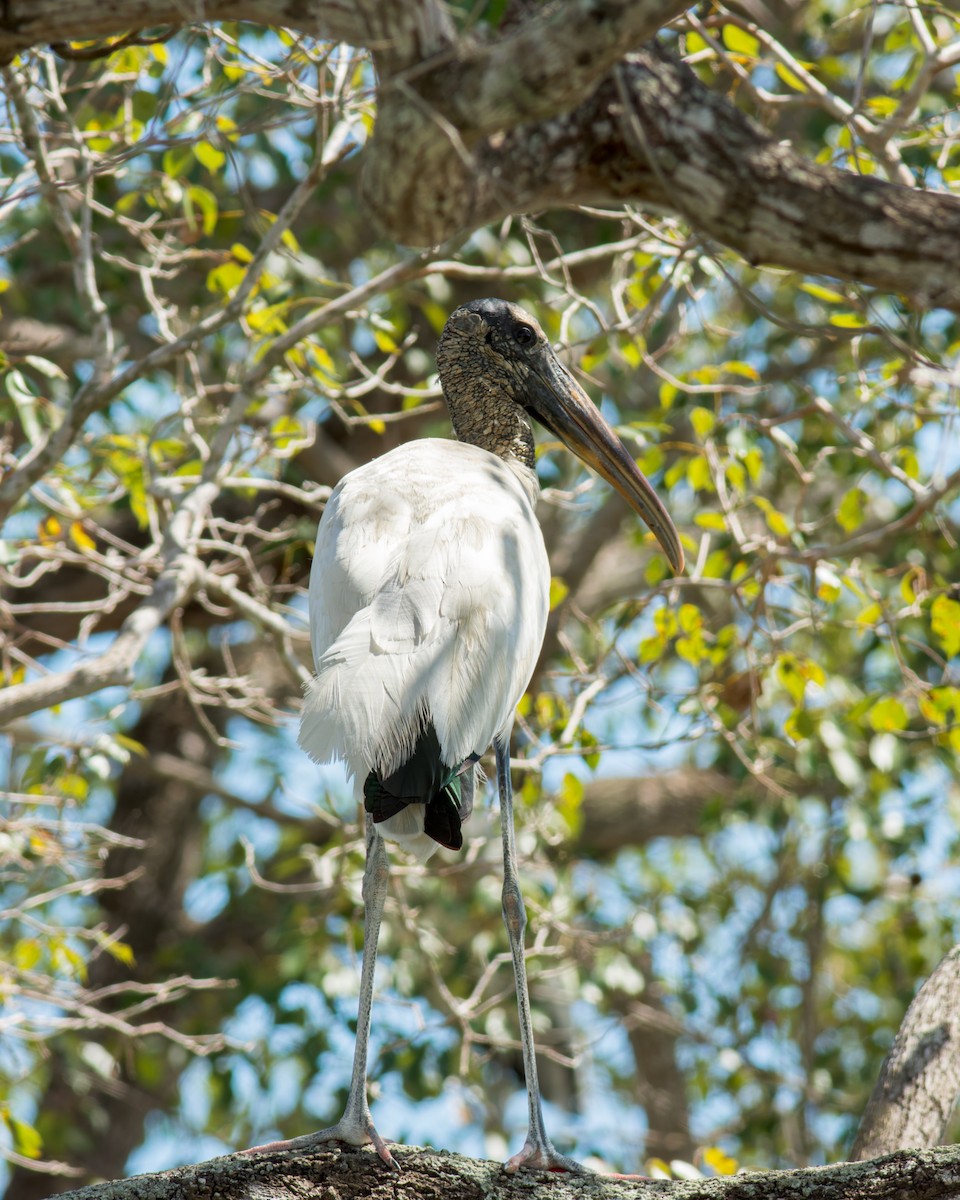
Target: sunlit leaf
(739, 41)
(703, 421)
(889, 714)
(790, 78)
(558, 592)
(850, 512)
(719, 1162)
(945, 622)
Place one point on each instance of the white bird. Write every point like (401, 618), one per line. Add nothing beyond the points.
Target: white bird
(429, 596)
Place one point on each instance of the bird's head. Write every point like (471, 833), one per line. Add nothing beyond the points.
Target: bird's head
(496, 364)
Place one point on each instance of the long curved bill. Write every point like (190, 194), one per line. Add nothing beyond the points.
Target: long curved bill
(556, 400)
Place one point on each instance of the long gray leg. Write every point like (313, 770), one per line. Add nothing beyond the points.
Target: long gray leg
(538, 1151)
(356, 1125)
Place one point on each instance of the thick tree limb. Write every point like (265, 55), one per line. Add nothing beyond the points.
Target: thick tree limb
(548, 113)
(548, 66)
(427, 1175)
(631, 812)
(26, 23)
(685, 149)
(916, 1094)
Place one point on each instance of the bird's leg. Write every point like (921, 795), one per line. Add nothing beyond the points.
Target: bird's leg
(356, 1125)
(538, 1151)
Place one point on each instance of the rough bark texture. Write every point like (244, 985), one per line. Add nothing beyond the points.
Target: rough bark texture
(916, 1094)
(469, 131)
(427, 1175)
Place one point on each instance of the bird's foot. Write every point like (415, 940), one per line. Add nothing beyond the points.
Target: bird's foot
(543, 1156)
(352, 1132)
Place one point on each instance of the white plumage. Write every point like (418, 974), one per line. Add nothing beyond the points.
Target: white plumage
(428, 598)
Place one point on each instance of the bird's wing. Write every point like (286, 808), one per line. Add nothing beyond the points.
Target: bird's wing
(428, 600)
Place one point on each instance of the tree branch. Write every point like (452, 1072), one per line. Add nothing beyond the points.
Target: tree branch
(916, 1094)
(352, 1174)
(461, 138)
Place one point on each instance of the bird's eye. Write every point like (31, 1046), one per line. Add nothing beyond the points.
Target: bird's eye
(524, 335)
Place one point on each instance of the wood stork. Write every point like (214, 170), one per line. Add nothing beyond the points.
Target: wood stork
(428, 605)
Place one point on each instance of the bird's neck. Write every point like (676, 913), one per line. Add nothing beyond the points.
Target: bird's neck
(495, 422)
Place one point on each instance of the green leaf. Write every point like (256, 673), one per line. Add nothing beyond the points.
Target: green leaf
(739, 41)
(790, 675)
(27, 952)
(558, 592)
(209, 156)
(26, 1140)
(689, 618)
(702, 420)
(203, 199)
(120, 951)
(945, 622)
(789, 78)
(869, 615)
(823, 293)
(888, 715)
(698, 475)
(225, 278)
(744, 369)
(569, 802)
(776, 521)
(850, 514)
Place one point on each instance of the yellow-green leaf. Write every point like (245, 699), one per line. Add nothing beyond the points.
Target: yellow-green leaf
(888, 714)
(739, 41)
(689, 618)
(80, 538)
(695, 43)
(203, 199)
(121, 952)
(789, 78)
(744, 369)
(719, 1162)
(226, 278)
(945, 622)
(702, 420)
(26, 1140)
(49, 531)
(847, 320)
(27, 952)
(558, 592)
(869, 615)
(209, 156)
(790, 675)
(828, 295)
(665, 622)
(850, 513)
(698, 474)
(569, 802)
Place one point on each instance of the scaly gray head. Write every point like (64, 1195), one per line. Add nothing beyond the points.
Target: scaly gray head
(497, 370)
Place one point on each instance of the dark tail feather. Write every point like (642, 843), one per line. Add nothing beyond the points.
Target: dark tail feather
(423, 779)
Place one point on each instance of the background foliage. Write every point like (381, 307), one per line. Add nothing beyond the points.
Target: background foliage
(203, 331)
